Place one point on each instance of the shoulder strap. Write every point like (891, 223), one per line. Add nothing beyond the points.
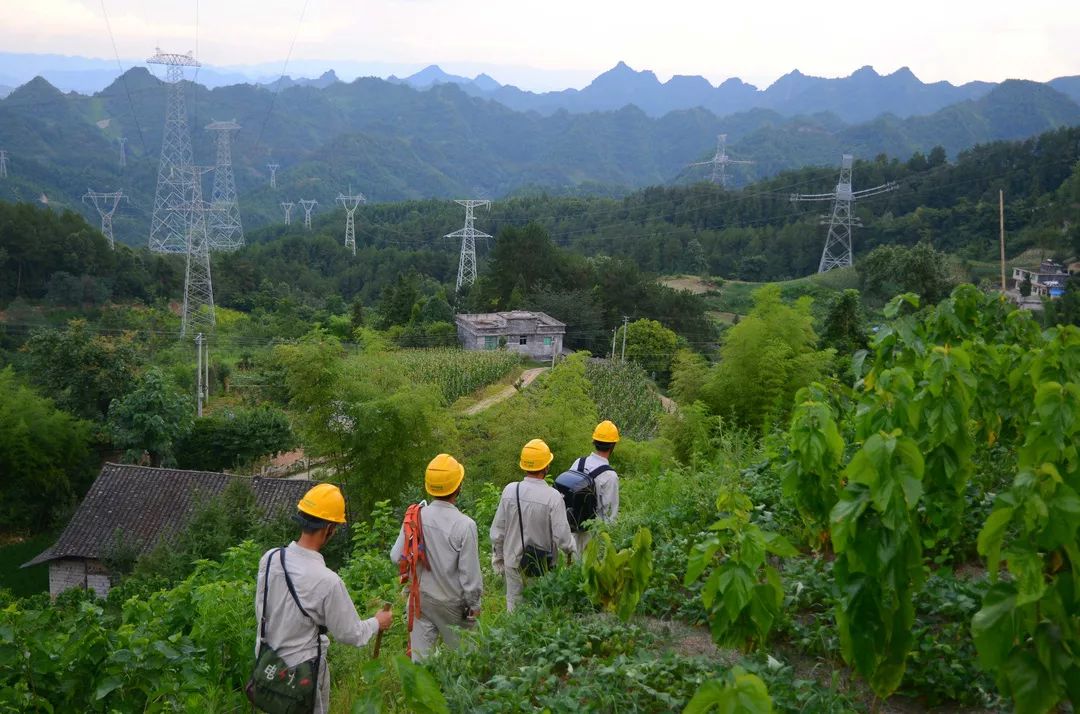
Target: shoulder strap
(266, 588)
(580, 464)
(601, 469)
(521, 525)
(292, 590)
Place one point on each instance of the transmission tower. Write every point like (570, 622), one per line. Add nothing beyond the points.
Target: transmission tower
(169, 224)
(467, 263)
(226, 231)
(198, 315)
(351, 202)
(123, 151)
(842, 221)
(3, 163)
(308, 204)
(720, 161)
(106, 204)
(288, 206)
(273, 174)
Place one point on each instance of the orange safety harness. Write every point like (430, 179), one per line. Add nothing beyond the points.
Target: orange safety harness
(413, 559)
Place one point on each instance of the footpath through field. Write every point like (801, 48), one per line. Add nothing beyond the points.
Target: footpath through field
(527, 378)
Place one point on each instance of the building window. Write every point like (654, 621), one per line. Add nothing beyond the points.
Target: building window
(547, 342)
(491, 343)
(523, 340)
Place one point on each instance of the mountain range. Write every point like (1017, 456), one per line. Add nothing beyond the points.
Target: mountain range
(391, 140)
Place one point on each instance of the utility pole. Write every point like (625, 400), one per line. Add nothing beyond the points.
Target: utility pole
(614, 334)
(273, 174)
(170, 222)
(123, 151)
(226, 231)
(308, 204)
(198, 374)
(3, 163)
(198, 314)
(625, 323)
(720, 161)
(106, 204)
(468, 235)
(350, 202)
(842, 221)
(288, 206)
(1001, 223)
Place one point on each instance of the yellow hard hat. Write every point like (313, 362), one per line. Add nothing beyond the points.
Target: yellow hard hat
(535, 456)
(324, 501)
(443, 476)
(606, 432)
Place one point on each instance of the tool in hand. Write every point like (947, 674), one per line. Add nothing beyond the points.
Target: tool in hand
(378, 635)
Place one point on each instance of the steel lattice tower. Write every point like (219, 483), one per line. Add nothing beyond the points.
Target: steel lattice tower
(198, 314)
(288, 206)
(106, 204)
(308, 204)
(226, 231)
(351, 202)
(273, 174)
(169, 223)
(467, 262)
(842, 222)
(3, 163)
(123, 151)
(720, 161)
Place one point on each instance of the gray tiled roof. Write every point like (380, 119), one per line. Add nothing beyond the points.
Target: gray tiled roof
(146, 505)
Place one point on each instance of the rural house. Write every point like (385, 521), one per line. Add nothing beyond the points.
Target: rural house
(533, 334)
(138, 507)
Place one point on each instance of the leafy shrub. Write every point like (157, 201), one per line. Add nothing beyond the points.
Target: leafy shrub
(234, 439)
(615, 579)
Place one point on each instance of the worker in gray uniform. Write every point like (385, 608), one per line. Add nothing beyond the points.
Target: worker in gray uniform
(531, 516)
(597, 464)
(297, 635)
(450, 585)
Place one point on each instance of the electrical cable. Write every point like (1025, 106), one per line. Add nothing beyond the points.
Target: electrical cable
(123, 77)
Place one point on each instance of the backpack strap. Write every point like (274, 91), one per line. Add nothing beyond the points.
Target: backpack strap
(601, 469)
(579, 465)
(521, 524)
(266, 589)
(295, 597)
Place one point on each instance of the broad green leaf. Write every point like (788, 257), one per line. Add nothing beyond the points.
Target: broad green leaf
(993, 628)
(421, 691)
(990, 539)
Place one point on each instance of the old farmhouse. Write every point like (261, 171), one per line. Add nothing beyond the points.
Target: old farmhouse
(136, 508)
(533, 334)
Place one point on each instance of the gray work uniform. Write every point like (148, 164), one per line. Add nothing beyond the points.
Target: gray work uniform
(544, 523)
(607, 496)
(323, 595)
(451, 586)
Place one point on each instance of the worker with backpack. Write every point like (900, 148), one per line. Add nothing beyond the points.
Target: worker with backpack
(438, 554)
(530, 525)
(590, 488)
(297, 601)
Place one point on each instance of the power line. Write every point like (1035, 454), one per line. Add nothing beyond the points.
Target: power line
(284, 69)
(123, 79)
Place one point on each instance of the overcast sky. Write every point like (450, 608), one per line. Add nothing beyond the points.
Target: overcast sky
(558, 43)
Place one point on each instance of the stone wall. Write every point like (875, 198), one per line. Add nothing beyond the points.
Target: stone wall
(67, 573)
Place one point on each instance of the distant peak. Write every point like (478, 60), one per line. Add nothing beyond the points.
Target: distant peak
(329, 74)
(865, 71)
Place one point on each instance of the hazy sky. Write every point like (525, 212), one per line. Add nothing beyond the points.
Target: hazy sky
(572, 40)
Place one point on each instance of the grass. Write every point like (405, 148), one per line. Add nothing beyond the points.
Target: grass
(24, 581)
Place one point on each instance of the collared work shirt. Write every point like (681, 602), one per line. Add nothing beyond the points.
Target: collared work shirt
(543, 519)
(450, 541)
(607, 488)
(322, 594)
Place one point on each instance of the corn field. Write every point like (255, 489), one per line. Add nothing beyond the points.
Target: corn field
(457, 372)
(624, 395)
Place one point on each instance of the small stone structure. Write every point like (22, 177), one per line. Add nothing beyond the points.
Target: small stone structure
(134, 508)
(534, 334)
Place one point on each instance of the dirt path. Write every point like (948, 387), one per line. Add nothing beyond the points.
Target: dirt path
(527, 378)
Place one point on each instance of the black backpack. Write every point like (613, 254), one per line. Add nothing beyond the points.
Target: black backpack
(578, 489)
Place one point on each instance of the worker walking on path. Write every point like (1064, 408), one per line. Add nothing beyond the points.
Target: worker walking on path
(597, 465)
(298, 599)
(438, 551)
(530, 525)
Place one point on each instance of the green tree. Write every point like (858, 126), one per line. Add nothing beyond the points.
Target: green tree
(889, 270)
(44, 457)
(765, 360)
(233, 439)
(689, 371)
(649, 344)
(82, 371)
(150, 419)
(844, 325)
